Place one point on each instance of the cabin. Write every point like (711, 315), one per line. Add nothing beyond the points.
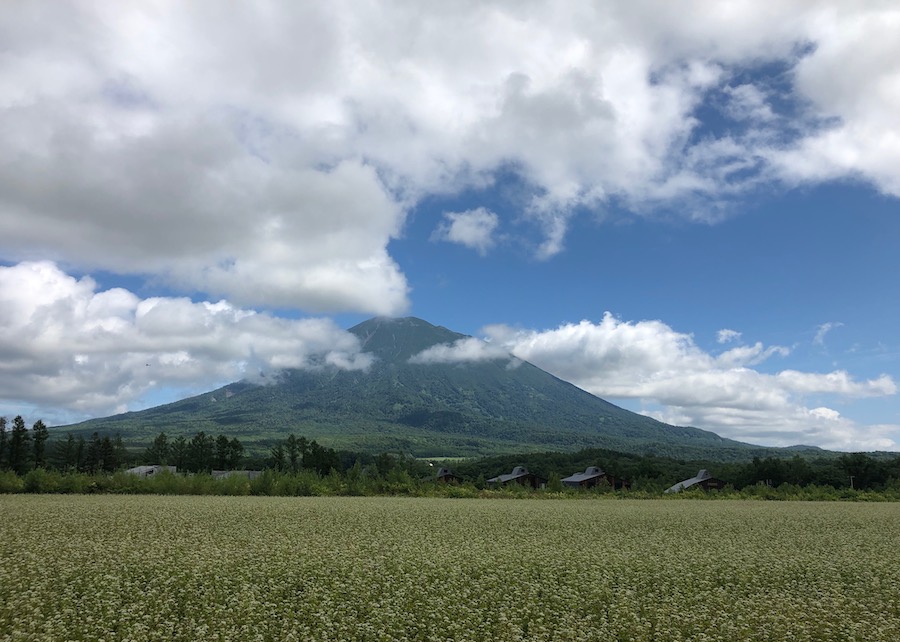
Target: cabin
(592, 477)
(447, 476)
(519, 475)
(702, 480)
(150, 471)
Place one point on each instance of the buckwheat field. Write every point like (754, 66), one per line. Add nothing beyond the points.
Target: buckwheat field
(225, 568)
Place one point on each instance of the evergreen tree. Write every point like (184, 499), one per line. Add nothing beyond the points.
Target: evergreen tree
(66, 453)
(178, 452)
(158, 452)
(278, 457)
(120, 451)
(235, 454)
(79, 452)
(223, 453)
(19, 447)
(292, 449)
(93, 461)
(321, 459)
(108, 459)
(3, 444)
(39, 435)
(201, 451)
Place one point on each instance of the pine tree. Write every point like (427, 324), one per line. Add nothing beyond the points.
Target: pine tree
(235, 454)
(200, 453)
(120, 451)
(18, 447)
(93, 462)
(158, 452)
(223, 452)
(39, 435)
(278, 456)
(292, 448)
(108, 460)
(79, 452)
(66, 453)
(178, 452)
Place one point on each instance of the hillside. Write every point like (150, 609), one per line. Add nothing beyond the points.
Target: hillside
(459, 409)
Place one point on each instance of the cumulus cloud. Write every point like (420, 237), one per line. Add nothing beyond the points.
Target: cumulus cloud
(270, 153)
(67, 344)
(473, 229)
(465, 350)
(649, 361)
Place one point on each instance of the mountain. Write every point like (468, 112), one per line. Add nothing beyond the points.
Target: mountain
(427, 409)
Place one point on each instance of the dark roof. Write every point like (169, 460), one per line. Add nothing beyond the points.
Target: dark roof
(445, 472)
(517, 472)
(591, 472)
(703, 475)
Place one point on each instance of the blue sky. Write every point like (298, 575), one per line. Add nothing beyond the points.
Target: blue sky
(690, 210)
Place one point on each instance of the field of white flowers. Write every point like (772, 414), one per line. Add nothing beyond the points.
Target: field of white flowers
(248, 568)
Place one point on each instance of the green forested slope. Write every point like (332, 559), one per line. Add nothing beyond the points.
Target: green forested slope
(455, 409)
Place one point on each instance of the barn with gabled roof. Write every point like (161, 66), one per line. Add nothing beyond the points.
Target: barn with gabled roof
(594, 476)
(519, 475)
(702, 480)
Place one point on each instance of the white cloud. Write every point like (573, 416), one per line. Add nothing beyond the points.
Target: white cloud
(66, 344)
(269, 153)
(727, 336)
(748, 102)
(465, 350)
(650, 361)
(472, 228)
(823, 330)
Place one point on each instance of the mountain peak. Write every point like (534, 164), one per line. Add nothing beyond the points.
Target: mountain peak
(393, 339)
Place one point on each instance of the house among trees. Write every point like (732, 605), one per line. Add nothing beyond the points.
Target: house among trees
(519, 475)
(150, 471)
(447, 476)
(703, 480)
(592, 477)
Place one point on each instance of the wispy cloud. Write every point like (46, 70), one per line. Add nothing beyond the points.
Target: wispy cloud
(823, 330)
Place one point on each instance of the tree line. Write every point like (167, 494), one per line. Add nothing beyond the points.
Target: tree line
(201, 453)
(22, 450)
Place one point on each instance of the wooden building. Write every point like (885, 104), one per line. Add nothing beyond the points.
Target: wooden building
(519, 475)
(447, 476)
(594, 476)
(703, 480)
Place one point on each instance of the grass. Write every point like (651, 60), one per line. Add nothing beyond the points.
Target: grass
(254, 568)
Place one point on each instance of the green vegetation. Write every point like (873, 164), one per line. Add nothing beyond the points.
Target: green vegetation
(426, 410)
(202, 568)
(298, 465)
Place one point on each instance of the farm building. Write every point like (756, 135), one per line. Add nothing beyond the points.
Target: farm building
(149, 471)
(519, 475)
(703, 480)
(447, 476)
(594, 476)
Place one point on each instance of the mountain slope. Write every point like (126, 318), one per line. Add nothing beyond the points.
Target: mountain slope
(457, 409)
